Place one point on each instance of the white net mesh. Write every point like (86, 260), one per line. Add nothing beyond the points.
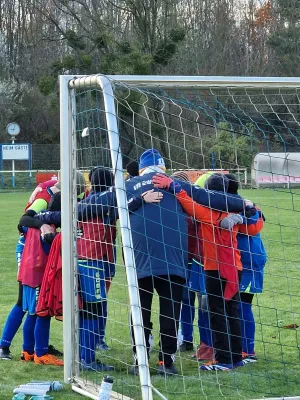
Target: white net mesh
(251, 132)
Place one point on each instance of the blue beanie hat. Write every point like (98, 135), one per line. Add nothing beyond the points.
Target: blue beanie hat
(151, 157)
(217, 182)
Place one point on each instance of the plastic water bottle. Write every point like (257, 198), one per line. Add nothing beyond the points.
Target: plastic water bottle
(31, 390)
(53, 385)
(106, 386)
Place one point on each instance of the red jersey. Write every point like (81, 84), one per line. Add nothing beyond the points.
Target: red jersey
(96, 240)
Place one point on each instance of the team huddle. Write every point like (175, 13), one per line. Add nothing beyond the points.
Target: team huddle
(188, 240)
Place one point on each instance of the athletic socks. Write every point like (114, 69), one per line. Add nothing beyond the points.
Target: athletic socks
(28, 333)
(102, 323)
(248, 327)
(13, 323)
(88, 336)
(41, 335)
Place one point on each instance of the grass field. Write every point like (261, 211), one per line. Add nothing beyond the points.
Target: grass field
(277, 373)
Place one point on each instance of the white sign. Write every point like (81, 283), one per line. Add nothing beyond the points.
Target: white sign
(15, 151)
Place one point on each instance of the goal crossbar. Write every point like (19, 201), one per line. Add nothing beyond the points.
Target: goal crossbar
(83, 81)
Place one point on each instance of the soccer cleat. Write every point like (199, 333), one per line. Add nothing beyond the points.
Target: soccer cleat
(166, 370)
(26, 356)
(216, 366)
(103, 346)
(48, 359)
(204, 352)
(5, 354)
(52, 350)
(186, 346)
(96, 366)
(249, 358)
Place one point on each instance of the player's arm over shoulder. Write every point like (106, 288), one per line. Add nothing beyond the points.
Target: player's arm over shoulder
(28, 219)
(195, 210)
(253, 229)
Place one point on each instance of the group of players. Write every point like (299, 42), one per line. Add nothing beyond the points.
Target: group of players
(186, 240)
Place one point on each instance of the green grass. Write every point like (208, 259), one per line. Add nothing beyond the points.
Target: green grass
(277, 373)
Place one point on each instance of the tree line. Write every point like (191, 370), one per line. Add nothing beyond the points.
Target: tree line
(40, 40)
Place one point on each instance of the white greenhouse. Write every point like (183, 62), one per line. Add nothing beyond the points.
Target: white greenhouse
(276, 169)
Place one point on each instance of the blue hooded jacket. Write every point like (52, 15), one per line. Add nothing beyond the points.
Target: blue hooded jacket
(254, 258)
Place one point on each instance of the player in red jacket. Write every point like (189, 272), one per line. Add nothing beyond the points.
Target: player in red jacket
(39, 198)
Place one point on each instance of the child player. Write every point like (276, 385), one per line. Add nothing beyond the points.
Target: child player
(95, 246)
(196, 285)
(221, 274)
(15, 317)
(42, 324)
(33, 264)
(253, 257)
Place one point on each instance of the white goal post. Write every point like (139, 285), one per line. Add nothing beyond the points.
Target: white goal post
(169, 92)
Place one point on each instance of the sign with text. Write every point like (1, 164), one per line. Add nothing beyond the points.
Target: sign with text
(15, 151)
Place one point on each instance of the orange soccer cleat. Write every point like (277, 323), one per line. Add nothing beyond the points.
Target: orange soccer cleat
(48, 359)
(26, 356)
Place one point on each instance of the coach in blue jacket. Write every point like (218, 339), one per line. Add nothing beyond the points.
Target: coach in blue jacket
(159, 233)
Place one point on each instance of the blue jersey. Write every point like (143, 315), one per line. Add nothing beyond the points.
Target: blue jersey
(159, 232)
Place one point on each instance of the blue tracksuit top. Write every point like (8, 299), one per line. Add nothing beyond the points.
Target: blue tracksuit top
(254, 258)
(253, 253)
(159, 232)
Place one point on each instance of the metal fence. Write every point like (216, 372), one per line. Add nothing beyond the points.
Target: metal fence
(44, 158)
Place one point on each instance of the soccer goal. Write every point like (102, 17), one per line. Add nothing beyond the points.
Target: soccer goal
(109, 121)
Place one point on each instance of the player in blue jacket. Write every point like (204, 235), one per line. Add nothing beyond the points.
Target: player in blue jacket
(159, 234)
(253, 257)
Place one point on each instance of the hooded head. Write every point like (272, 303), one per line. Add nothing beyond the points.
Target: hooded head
(151, 158)
(233, 184)
(181, 175)
(133, 168)
(217, 182)
(101, 179)
(55, 202)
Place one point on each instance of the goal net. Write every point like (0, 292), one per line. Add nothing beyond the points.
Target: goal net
(119, 249)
